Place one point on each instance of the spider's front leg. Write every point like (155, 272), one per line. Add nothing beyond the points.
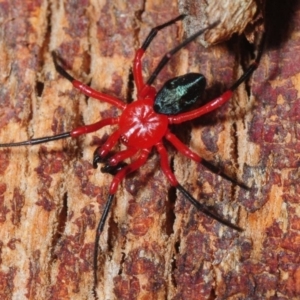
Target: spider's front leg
(137, 65)
(112, 163)
(83, 88)
(143, 156)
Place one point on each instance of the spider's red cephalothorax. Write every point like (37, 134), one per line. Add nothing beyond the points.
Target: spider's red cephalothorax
(143, 124)
(140, 125)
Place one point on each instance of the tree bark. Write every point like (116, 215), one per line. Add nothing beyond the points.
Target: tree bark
(155, 245)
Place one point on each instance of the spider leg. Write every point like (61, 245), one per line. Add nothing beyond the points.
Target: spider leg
(215, 103)
(93, 127)
(36, 141)
(252, 67)
(205, 210)
(83, 88)
(97, 238)
(194, 156)
(101, 153)
(137, 65)
(171, 177)
(122, 155)
(219, 172)
(113, 188)
(116, 162)
(74, 133)
(169, 54)
(182, 148)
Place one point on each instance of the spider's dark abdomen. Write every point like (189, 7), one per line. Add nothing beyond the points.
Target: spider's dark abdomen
(179, 93)
(140, 126)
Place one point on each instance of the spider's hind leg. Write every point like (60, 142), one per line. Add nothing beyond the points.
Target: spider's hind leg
(200, 207)
(182, 148)
(214, 169)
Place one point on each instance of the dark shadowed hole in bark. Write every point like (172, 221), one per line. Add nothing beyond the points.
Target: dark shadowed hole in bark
(247, 53)
(234, 155)
(174, 262)
(170, 215)
(212, 295)
(41, 55)
(170, 204)
(86, 62)
(86, 68)
(130, 88)
(61, 220)
(113, 231)
(278, 21)
(39, 88)
(170, 220)
(121, 263)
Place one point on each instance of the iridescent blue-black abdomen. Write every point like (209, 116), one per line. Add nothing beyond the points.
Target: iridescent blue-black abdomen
(179, 94)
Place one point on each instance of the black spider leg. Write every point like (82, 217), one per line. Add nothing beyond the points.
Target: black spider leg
(156, 29)
(97, 238)
(36, 141)
(188, 153)
(248, 72)
(219, 172)
(121, 174)
(205, 210)
(107, 168)
(169, 54)
(59, 69)
(165, 166)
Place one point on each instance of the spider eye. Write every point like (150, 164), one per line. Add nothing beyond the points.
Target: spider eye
(179, 93)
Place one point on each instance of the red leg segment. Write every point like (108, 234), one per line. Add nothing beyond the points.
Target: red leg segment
(137, 70)
(210, 106)
(164, 162)
(121, 156)
(143, 91)
(85, 89)
(93, 127)
(182, 147)
(137, 65)
(166, 169)
(128, 169)
(88, 91)
(109, 144)
(192, 155)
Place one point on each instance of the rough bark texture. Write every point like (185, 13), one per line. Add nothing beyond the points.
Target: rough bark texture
(155, 245)
(234, 17)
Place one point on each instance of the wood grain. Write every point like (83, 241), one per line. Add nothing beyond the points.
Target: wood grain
(155, 245)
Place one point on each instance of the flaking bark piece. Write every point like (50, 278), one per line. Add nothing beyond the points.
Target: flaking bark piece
(236, 17)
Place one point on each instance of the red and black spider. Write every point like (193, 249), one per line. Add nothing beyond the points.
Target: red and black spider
(144, 124)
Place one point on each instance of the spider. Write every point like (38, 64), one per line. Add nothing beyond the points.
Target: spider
(144, 124)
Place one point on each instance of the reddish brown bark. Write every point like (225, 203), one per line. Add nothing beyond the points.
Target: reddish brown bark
(152, 248)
